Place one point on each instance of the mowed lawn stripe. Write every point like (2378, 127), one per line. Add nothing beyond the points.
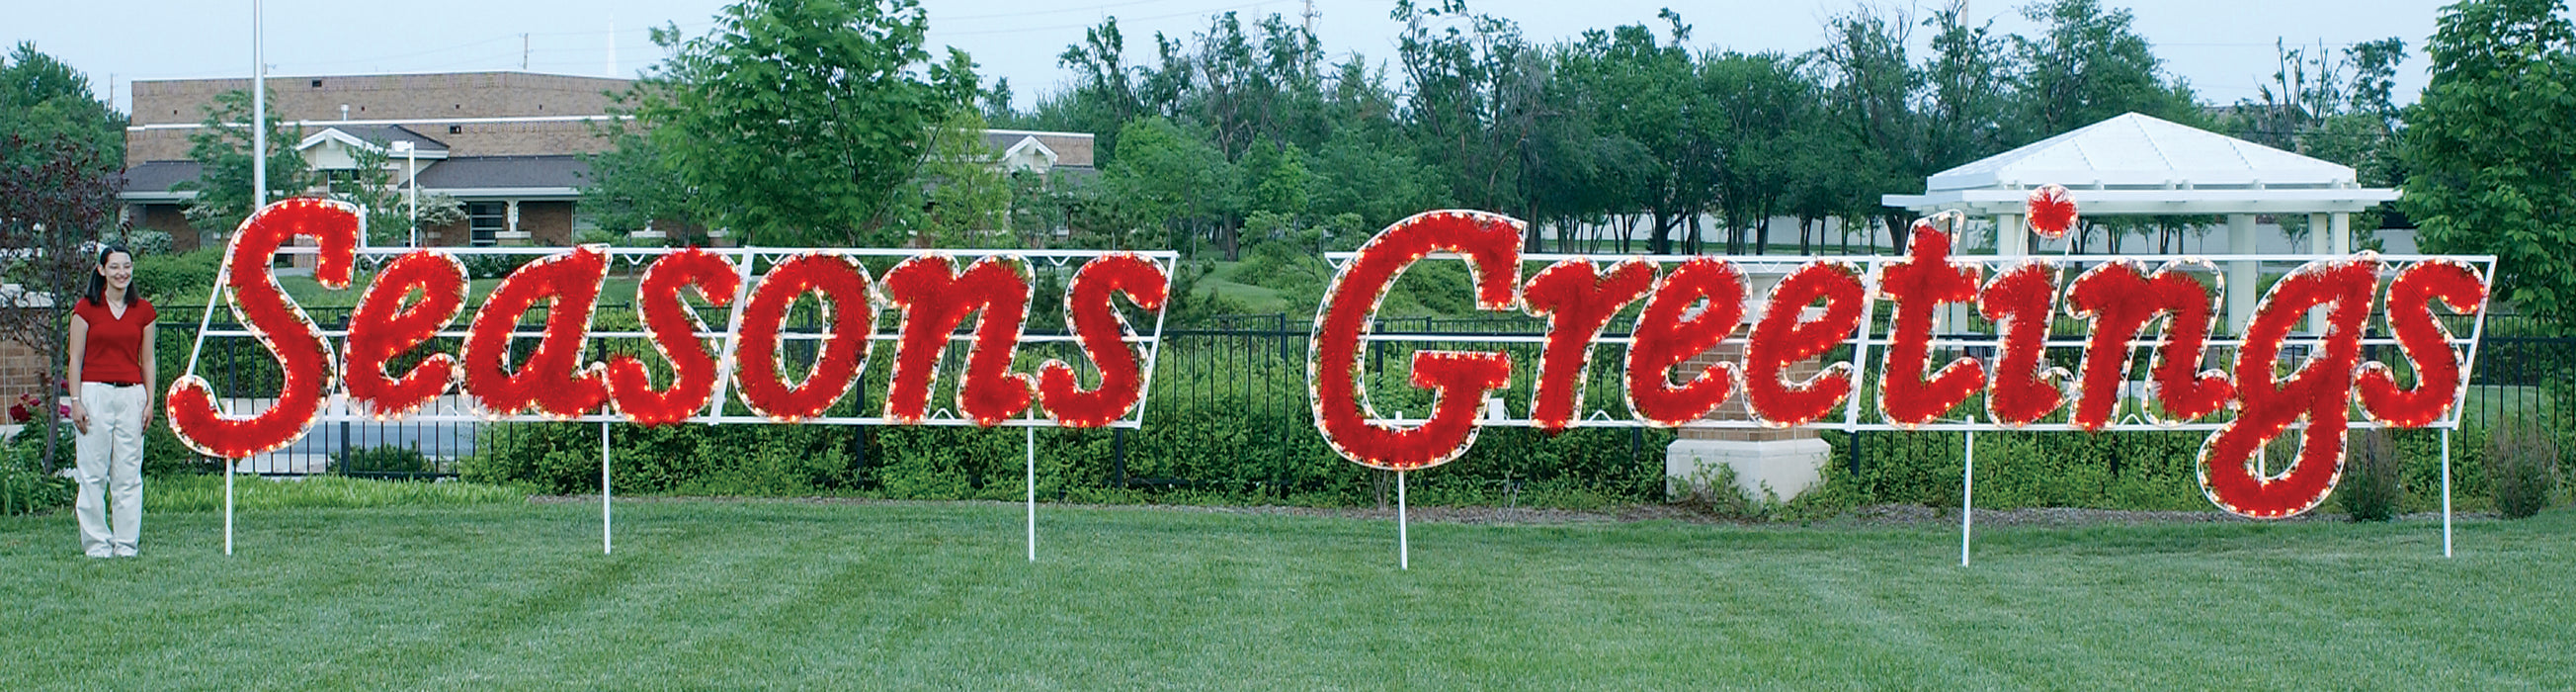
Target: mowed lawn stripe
(793, 594)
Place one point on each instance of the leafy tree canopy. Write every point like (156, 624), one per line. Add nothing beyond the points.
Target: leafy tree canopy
(2487, 152)
(793, 121)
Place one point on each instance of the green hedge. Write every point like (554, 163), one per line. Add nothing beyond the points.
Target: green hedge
(1223, 426)
(2116, 470)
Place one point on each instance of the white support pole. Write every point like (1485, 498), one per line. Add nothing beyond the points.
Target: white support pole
(1967, 495)
(606, 526)
(2446, 492)
(1403, 540)
(228, 505)
(1033, 492)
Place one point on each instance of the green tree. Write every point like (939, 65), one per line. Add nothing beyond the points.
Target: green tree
(389, 210)
(56, 197)
(957, 196)
(2088, 65)
(1757, 106)
(224, 176)
(2487, 152)
(793, 122)
(631, 186)
(44, 100)
(1174, 180)
(1870, 85)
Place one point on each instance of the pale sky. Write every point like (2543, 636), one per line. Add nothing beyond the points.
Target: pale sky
(2224, 47)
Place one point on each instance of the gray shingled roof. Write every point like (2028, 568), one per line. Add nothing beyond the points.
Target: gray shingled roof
(157, 176)
(505, 171)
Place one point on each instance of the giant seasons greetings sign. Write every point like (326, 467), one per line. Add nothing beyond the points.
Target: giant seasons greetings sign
(416, 296)
(2297, 364)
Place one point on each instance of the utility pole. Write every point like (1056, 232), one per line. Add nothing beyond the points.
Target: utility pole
(258, 118)
(523, 52)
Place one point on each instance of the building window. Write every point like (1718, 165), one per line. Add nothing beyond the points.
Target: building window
(487, 220)
(341, 180)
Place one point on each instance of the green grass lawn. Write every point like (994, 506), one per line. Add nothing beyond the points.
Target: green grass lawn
(714, 593)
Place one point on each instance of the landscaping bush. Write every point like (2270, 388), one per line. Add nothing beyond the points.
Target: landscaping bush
(2118, 470)
(2522, 468)
(382, 460)
(24, 485)
(2373, 484)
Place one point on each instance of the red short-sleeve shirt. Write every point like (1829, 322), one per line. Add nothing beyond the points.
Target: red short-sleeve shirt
(114, 351)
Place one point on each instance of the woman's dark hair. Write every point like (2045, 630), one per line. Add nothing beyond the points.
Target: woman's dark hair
(98, 281)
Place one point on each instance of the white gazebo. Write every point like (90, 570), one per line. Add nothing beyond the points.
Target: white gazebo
(2138, 165)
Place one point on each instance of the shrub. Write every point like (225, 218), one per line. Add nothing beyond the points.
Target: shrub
(2522, 468)
(2374, 480)
(164, 455)
(177, 280)
(24, 485)
(383, 460)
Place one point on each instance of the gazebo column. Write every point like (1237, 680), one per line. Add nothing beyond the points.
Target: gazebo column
(2242, 275)
(2341, 227)
(2011, 240)
(2320, 239)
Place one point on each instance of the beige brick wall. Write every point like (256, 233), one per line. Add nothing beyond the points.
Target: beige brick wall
(549, 224)
(168, 218)
(394, 97)
(1732, 351)
(22, 371)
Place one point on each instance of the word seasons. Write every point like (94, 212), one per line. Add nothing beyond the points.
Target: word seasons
(422, 292)
(1822, 304)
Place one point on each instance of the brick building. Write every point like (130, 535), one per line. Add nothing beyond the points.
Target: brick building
(506, 144)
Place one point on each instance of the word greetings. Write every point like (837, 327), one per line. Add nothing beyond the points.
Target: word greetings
(422, 292)
(1819, 306)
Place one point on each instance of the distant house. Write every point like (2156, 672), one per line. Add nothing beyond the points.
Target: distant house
(506, 144)
(1025, 151)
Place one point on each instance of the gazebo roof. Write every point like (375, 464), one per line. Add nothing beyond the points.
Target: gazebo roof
(2136, 164)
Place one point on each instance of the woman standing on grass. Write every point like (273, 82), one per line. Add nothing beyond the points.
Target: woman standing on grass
(111, 363)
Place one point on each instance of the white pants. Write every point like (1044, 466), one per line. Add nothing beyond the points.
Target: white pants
(111, 452)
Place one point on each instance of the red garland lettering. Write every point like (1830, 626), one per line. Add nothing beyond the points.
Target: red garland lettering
(553, 380)
(936, 299)
(382, 327)
(1785, 336)
(2426, 341)
(1920, 285)
(2051, 210)
(1665, 339)
(1816, 309)
(2120, 300)
(279, 323)
(758, 362)
(675, 331)
(1577, 303)
(1103, 331)
(2319, 392)
(2020, 301)
(1459, 380)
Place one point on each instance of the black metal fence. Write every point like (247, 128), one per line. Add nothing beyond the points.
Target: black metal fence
(1244, 377)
